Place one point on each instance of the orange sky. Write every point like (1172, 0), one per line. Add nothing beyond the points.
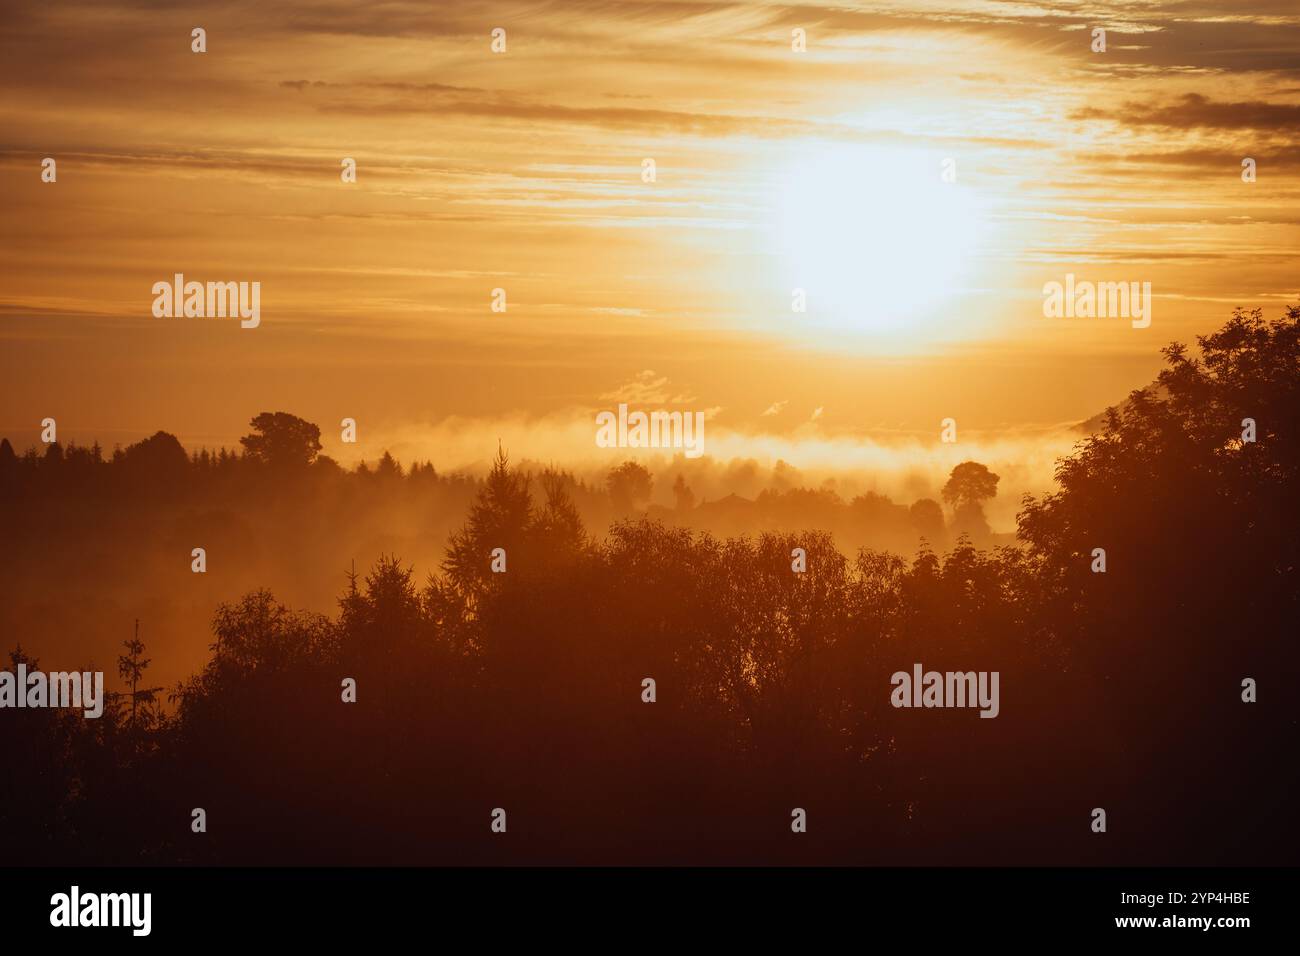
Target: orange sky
(523, 170)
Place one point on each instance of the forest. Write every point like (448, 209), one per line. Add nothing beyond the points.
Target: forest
(525, 690)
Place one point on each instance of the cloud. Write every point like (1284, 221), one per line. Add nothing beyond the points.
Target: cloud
(1194, 111)
(505, 107)
(1205, 161)
(776, 408)
(647, 388)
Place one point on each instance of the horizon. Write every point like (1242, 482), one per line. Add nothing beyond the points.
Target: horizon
(822, 171)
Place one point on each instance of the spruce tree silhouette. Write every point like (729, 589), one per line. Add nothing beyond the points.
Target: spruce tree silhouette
(131, 667)
(499, 518)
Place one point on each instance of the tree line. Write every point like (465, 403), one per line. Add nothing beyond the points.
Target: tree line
(525, 690)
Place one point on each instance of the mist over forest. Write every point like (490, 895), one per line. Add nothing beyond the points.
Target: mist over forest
(1142, 624)
(275, 512)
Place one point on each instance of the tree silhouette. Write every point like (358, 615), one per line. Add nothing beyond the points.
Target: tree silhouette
(926, 517)
(131, 667)
(388, 469)
(629, 486)
(682, 494)
(967, 487)
(557, 526)
(969, 484)
(499, 518)
(158, 458)
(282, 440)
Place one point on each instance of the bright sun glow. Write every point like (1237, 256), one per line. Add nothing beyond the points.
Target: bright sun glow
(876, 238)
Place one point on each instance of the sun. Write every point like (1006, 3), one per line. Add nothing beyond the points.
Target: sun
(878, 240)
